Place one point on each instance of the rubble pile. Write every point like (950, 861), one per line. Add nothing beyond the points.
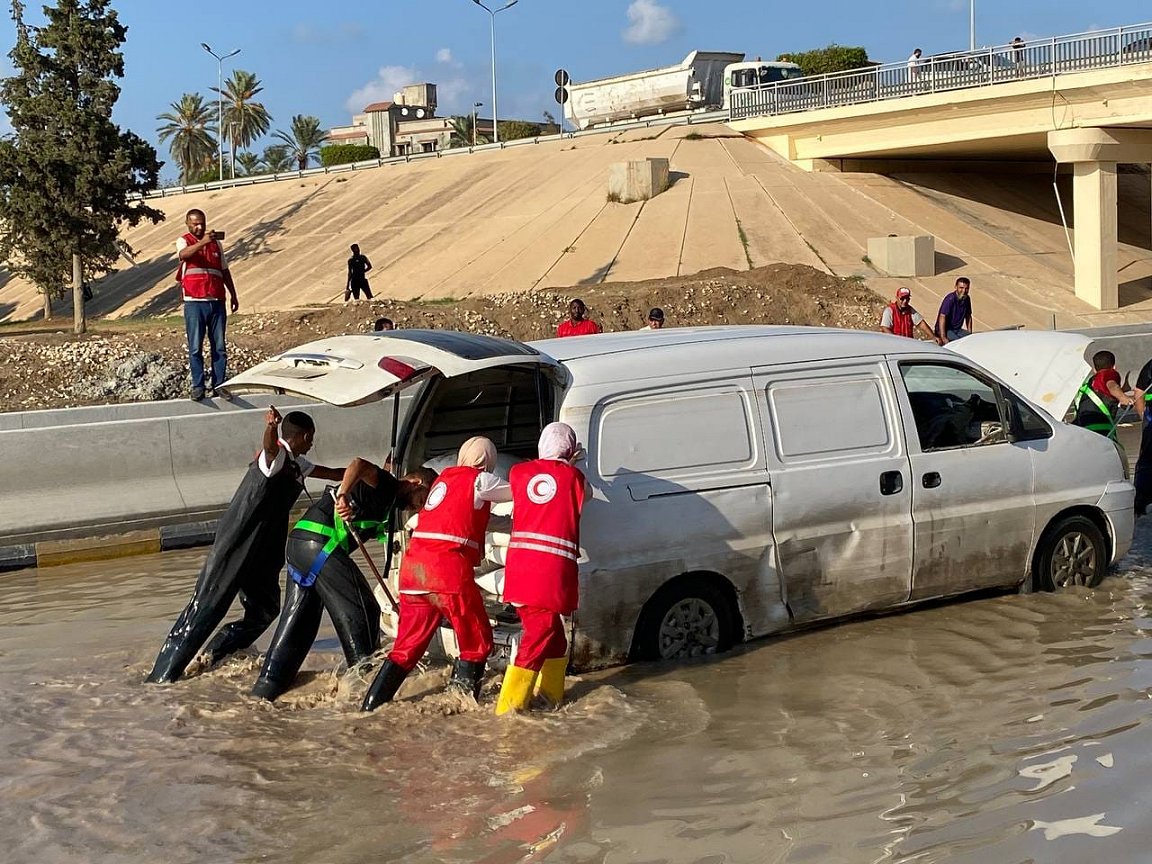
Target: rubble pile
(147, 359)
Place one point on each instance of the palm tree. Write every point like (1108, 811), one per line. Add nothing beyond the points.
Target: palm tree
(277, 159)
(461, 128)
(249, 163)
(244, 118)
(305, 139)
(189, 125)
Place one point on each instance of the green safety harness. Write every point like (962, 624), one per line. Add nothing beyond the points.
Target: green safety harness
(1108, 427)
(337, 536)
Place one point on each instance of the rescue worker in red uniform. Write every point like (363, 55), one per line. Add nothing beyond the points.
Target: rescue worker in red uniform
(540, 574)
(204, 276)
(437, 575)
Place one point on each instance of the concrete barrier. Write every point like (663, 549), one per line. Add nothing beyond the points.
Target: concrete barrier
(1132, 345)
(168, 472)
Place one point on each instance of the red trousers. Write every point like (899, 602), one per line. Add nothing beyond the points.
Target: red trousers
(420, 615)
(542, 638)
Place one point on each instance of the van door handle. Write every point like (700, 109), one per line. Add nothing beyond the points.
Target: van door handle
(931, 479)
(891, 482)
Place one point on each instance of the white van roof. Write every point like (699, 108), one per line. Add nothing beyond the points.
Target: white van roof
(646, 353)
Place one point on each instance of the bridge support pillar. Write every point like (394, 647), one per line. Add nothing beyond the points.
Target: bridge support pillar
(1095, 236)
(1093, 153)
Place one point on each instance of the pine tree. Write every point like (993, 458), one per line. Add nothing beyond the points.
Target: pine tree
(69, 177)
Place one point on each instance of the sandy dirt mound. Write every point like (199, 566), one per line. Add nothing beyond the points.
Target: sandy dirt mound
(124, 361)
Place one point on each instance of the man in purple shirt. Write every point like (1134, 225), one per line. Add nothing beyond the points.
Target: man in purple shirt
(954, 320)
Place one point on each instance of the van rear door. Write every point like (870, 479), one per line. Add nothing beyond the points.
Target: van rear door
(353, 370)
(841, 486)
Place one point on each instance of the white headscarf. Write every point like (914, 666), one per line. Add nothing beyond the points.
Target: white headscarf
(477, 452)
(558, 441)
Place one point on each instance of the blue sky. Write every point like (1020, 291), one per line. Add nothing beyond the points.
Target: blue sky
(331, 64)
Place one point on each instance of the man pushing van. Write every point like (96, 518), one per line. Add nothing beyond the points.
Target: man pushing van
(248, 552)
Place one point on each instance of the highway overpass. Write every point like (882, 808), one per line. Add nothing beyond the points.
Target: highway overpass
(1081, 103)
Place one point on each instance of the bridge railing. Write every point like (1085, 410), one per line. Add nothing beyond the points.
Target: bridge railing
(1099, 49)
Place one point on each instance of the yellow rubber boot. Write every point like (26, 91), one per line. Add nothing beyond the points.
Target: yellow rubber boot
(516, 691)
(550, 684)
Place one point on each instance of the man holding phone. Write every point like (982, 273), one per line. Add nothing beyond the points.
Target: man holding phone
(203, 276)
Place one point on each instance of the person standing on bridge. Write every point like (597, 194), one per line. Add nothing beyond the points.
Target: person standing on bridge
(914, 64)
(954, 320)
(358, 267)
(203, 276)
(248, 551)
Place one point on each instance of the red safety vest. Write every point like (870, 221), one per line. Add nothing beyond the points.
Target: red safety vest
(201, 276)
(449, 538)
(901, 321)
(540, 569)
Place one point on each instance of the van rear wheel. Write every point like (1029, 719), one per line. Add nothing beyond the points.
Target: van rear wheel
(691, 618)
(1072, 552)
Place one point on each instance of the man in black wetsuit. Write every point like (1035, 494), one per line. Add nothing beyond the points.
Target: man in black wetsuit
(248, 552)
(322, 575)
(358, 267)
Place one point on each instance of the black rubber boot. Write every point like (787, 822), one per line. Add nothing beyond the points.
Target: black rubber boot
(384, 686)
(467, 676)
(268, 688)
(173, 659)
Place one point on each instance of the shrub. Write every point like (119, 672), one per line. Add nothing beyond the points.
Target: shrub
(342, 154)
(510, 130)
(834, 58)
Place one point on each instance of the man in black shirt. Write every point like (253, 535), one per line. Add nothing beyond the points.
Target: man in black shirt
(1143, 476)
(248, 551)
(322, 575)
(358, 267)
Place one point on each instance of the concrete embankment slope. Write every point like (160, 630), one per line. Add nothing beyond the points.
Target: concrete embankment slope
(537, 217)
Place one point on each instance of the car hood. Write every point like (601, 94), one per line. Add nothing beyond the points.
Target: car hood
(1047, 367)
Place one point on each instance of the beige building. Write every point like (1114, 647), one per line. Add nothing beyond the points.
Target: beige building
(408, 124)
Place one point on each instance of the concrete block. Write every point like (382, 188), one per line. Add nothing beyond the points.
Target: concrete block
(903, 256)
(637, 180)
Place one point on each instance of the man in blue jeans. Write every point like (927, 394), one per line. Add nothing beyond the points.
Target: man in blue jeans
(954, 320)
(203, 278)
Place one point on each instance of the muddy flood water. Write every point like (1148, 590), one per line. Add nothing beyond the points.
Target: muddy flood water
(1002, 729)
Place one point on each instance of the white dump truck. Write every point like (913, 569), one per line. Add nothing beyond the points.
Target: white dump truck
(696, 83)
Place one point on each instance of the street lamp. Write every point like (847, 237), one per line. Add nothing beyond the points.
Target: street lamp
(219, 100)
(475, 105)
(232, 142)
(492, 17)
(971, 25)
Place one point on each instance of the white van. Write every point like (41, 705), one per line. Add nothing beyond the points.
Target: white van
(749, 480)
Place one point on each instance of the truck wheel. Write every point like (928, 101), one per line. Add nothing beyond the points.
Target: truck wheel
(1071, 552)
(689, 619)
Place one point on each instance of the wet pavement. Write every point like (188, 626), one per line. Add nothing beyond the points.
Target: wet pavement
(1002, 729)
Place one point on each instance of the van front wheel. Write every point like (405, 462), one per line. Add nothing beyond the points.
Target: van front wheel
(689, 619)
(1072, 552)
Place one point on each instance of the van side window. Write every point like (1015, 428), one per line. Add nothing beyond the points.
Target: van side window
(1027, 424)
(952, 407)
(676, 433)
(829, 418)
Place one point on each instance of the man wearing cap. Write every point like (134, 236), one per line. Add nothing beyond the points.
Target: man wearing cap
(900, 319)
(655, 319)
